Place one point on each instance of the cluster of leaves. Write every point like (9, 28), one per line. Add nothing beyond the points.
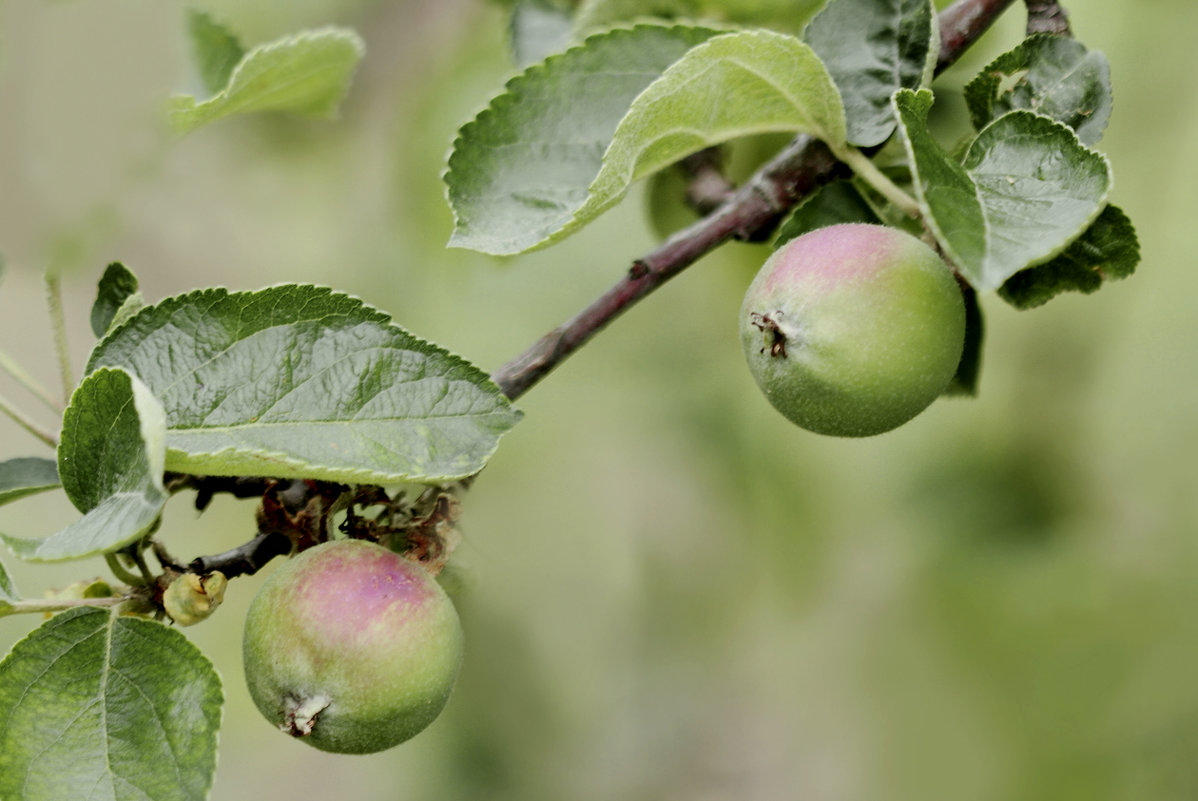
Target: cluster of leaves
(299, 381)
(1021, 207)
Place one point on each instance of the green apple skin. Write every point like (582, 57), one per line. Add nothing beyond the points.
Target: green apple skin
(853, 329)
(351, 648)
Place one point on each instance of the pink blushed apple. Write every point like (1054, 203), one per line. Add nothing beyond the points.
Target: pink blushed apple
(853, 329)
(351, 647)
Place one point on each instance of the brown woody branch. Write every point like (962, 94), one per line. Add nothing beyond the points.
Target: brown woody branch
(1046, 16)
(777, 187)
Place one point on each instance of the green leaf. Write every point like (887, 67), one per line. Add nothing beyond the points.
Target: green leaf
(215, 49)
(521, 167)
(1051, 75)
(873, 48)
(110, 461)
(783, 15)
(303, 382)
(8, 593)
(308, 73)
(969, 370)
(832, 204)
(116, 286)
(26, 476)
(1108, 250)
(731, 85)
(1026, 189)
(538, 30)
(97, 706)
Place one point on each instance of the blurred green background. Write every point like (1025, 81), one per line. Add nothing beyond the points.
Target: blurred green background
(673, 593)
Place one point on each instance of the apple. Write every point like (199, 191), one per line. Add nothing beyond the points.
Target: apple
(351, 648)
(853, 329)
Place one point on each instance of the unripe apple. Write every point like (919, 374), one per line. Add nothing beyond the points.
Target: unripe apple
(351, 647)
(853, 329)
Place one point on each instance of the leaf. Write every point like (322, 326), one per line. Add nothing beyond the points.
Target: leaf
(872, 48)
(538, 30)
(732, 85)
(1108, 250)
(1026, 189)
(782, 15)
(97, 706)
(116, 286)
(965, 381)
(8, 593)
(110, 461)
(303, 382)
(521, 167)
(832, 204)
(26, 476)
(215, 49)
(308, 73)
(595, 14)
(1051, 75)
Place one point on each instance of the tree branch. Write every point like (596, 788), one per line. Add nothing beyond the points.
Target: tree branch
(962, 24)
(799, 168)
(247, 558)
(1046, 16)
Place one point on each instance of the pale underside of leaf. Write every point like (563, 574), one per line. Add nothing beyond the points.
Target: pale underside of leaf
(110, 459)
(732, 85)
(97, 706)
(118, 520)
(524, 164)
(26, 476)
(308, 73)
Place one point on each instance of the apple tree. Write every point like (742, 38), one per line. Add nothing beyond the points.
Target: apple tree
(345, 426)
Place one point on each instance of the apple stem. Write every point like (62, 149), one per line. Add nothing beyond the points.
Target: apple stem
(868, 172)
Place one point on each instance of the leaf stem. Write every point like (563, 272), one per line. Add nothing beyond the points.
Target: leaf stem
(865, 169)
(749, 213)
(27, 423)
(118, 570)
(59, 323)
(34, 607)
(14, 369)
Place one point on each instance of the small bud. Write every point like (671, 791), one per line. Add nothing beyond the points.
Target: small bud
(190, 598)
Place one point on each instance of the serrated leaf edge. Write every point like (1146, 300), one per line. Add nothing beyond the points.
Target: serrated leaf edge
(1101, 203)
(931, 221)
(506, 97)
(113, 617)
(184, 461)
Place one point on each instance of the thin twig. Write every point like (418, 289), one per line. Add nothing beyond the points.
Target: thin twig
(799, 168)
(38, 606)
(10, 365)
(59, 323)
(26, 422)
